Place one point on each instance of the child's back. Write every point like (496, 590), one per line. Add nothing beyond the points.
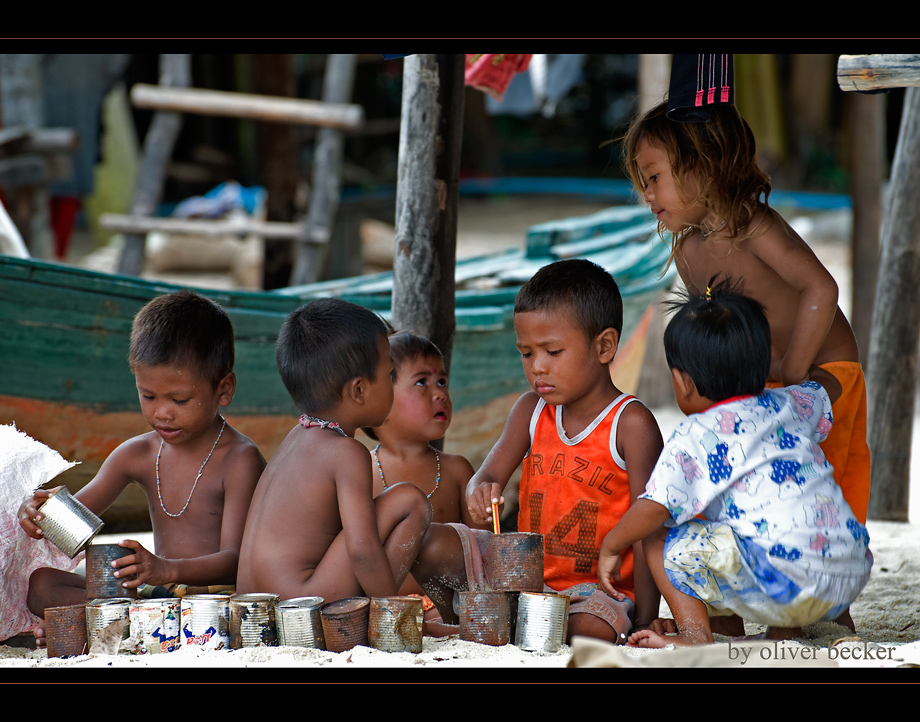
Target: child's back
(314, 528)
(753, 521)
(294, 516)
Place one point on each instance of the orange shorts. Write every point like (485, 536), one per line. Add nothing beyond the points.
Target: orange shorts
(845, 447)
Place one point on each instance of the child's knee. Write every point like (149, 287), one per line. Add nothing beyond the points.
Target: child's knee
(410, 500)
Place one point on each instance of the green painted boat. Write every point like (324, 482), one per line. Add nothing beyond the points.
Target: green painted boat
(64, 376)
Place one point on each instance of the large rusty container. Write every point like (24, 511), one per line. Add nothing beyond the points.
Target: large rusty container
(517, 562)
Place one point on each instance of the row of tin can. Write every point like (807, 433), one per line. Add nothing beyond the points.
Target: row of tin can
(217, 621)
(222, 621)
(115, 621)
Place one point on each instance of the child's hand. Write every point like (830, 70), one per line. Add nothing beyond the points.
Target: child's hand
(480, 500)
(149, 568)
(608, 567)
(29, 514)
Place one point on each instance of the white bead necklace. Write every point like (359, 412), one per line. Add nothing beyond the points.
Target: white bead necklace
(437, 458)
(200, 471)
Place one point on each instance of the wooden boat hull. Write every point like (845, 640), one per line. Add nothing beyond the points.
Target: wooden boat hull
(64, 376)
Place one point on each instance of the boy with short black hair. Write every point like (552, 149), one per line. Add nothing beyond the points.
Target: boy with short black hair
(198, 473)
(315, 528)
(586, 448)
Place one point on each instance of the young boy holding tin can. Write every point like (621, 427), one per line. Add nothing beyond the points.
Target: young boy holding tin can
(197, 472)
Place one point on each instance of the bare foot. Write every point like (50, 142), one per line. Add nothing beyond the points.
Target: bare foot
(845, 620)
(648, 639)
(39, 634)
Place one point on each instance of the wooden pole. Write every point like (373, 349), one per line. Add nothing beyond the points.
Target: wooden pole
(892, 369)
(426, 198)
(655, 378)
(867, 160)
(312, 246)
(175, 70)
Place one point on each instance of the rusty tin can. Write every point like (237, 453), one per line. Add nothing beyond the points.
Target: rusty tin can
(101, 582)
(205, 621)
(155, 625)
(65, 630)
(299, 623)
(517, 562)
(252, 620)
(345, 623)
(107, 625)
(67, 523)
(485, 617)
(542, 621)
(395, 624)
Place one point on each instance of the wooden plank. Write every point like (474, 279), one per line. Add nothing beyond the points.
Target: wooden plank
(246, 105)
(893, 353)
(877, 72)
(208, 228)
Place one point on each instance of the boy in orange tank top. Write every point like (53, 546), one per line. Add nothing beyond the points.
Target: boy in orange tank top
(587, 452)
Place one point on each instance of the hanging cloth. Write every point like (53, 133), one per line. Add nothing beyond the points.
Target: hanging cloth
(492, 73)
(699, 82)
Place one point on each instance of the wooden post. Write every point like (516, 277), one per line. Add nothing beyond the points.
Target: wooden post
(892, 369)
(867, 159)
(312, 246)
(426, 198)
(175, 70)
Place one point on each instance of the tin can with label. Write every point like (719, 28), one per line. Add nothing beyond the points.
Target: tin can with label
(101, 582)
(395, 624)
(252, 620)
(517, 562)
(299, 623)
(65, 630)
(345, 623)
(67, 523)
(542, 621)
(155, 624)
(107, 625)
(485, 617)
(205, 621)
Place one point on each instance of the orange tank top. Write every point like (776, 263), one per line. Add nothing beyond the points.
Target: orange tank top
(573, 491)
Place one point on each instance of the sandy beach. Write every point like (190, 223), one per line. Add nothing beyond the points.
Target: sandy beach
(888, 633)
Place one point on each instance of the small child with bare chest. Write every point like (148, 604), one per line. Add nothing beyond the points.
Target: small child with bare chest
(197, 472)
(315, 528)
(421, 414)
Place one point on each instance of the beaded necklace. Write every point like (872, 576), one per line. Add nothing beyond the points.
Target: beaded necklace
(308, 421)
(437, 458)
(200, 471)
(705, 234)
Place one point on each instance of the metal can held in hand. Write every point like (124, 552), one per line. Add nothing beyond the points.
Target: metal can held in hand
(101, 582)
(67, 523)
